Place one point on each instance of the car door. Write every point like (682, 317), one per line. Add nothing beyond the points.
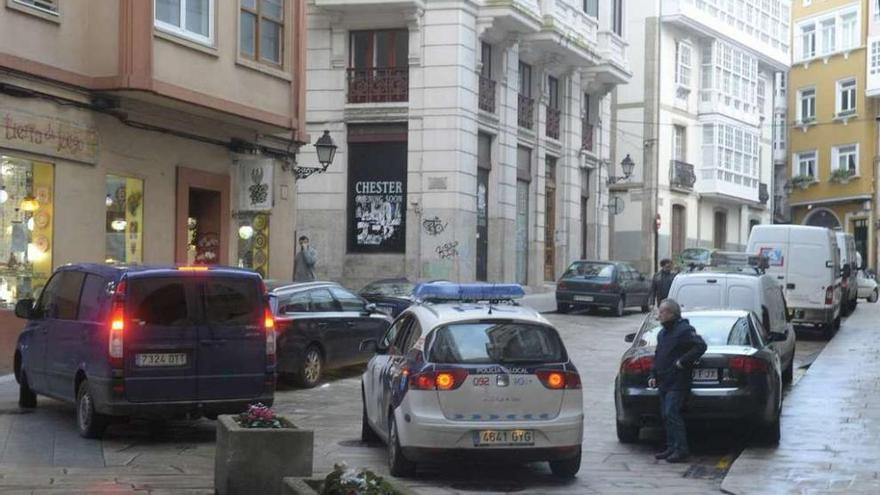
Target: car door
(639, 288)
(376, 388)
(65, 345)
(35, 356)
(396, 368)
(294, 328)
(359, 325)
(328, 323)
(92, 325)
(624, 279)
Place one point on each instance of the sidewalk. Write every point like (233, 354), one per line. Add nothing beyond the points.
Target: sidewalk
(830, 423)
(543, 301)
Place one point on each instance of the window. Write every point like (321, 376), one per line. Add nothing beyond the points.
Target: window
(380, 49)
(808, 41)
(846, 158)
(124, 220)
(231, 301)
(294, 303)
(348, 301)
(192, 19)
(806, 111)
(506, 342)
(397, 328)
(553, 90)
(828, 33)
(846, 97)
(806, 164)
(678, 143)
(93, 296)
(875, 57)
(158, 301)
(762, 95)
(683, 63)
(525, 79)
(322, 301)
(617, 17)
(849, 33)
(591, 7)
(261, 33)
(486, 60)
(715, 330)
(47, 6)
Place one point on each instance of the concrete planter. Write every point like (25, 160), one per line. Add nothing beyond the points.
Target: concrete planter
(255, 460)
(312, 486)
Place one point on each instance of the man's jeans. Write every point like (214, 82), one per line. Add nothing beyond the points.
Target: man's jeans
(671, 403)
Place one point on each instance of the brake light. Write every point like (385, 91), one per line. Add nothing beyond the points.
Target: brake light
(115, 346)
(609, 287)
(558, 380)
(193, 268)
(747, 365)
(637, 366)
(437, 380)
(829, 295)
(269, 327)
(562, 285)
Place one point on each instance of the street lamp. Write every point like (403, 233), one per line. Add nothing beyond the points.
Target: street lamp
(326, 150)
(627, 165)
(787, 188)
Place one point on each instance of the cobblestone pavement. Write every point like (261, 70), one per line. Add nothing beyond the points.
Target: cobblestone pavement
(41, 453)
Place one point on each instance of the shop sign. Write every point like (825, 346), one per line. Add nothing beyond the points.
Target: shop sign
(255, 184)
(48, 136)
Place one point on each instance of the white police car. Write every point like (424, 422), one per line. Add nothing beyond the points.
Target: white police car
(466, 372)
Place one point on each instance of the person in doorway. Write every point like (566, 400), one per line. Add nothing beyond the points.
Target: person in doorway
(305, 261)
(661, 283)
(678, 348)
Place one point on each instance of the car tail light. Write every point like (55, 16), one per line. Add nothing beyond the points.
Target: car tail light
(269, 327)
(747, 365)
(558, 380)
(637, 366)
(117, 326)
(829, 295)
(562, 285)
(609, 287)
(437, 380)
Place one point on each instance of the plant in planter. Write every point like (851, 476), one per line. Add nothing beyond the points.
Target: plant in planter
(802, 181)
(841, 175)
(344, 481)
(257, 449)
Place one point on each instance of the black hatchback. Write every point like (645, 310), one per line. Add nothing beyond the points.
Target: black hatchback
(602, 284)
(147, 342)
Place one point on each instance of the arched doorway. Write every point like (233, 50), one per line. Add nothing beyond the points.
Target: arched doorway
(822, 217)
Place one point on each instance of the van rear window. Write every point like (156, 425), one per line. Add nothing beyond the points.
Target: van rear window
(158, 301)
(232, 301)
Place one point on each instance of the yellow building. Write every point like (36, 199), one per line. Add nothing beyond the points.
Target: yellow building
(832, 130)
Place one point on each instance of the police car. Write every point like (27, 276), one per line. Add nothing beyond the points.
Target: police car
(467, 372)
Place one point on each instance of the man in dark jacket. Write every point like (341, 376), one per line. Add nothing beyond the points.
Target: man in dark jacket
(661, 283)
(678, 348)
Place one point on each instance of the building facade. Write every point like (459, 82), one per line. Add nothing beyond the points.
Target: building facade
(142, 133)
(698, 121)
(832, 111)
(472, 136)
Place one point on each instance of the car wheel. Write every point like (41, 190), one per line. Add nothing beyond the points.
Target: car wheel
(563, 307)
(368, 435)
(627, 433)
(27, 399)
(566, 468)
(873, 297)
(311, 368)
(645, 308)
(90, 423)
(398, 465)
(788, 374)
(771, 433)
(855, 304)
(621, 304)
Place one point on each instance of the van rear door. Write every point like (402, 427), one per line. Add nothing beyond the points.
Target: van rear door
(694, 292)
(809, 273)
(232, 340)
(772, 241)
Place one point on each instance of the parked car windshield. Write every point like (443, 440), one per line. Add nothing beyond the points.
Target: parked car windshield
(398, 288)
(493, 342)
(587, 269)
(715, 330)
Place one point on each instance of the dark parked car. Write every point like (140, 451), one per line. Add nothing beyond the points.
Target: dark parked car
(147, 341)
(390, 295)
(738, 379)
(603, 284)
(320, 326)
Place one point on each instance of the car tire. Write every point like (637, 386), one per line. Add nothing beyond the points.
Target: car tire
(646, 308)
(771, 433)
(788, 373)
(563, 307)
(873, 297)
(311, 368)
(27, 398)
(627, 433)
(566, 468)
(90, 423)
(621, 305)
(855, 304)
(398, 465)
(368, 434)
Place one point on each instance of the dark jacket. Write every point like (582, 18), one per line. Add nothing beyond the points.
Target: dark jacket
(677, 342)
(660, 285)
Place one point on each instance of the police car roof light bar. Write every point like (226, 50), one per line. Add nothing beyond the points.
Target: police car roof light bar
(739, 259)
(445, 291)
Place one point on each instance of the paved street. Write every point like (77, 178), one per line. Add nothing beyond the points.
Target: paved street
(41, 452)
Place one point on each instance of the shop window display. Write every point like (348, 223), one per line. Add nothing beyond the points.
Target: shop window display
(124, 223)
(253, 242)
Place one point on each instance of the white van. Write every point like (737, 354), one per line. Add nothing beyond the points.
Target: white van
(746, 289)
(848, 268)
(807, 262)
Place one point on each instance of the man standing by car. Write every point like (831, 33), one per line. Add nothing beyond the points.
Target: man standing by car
(661, 282)
(305, 261)
(678, 348)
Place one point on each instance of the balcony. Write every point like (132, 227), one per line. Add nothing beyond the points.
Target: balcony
(587, 136)
(385, 85)
(613, 68)
(487, 94)
(567, 33)
(525, 112)
(554, 117)
(681, 175)
(763, 193)
(370, 6)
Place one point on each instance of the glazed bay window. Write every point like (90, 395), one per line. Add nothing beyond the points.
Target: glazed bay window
(806, 111)
(191, 19)
(124, 220)
(379, 66)
(806, 164)
(591, 8)
(261, 34)
(683, 63)
(26, 216)
(846, 97)
(846, 158)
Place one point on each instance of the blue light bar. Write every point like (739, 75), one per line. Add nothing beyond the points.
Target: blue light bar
(446, 291)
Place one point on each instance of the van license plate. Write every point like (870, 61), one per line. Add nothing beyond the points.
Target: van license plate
(706, 374)
(500, 438)
(584, 298)
(156, 359)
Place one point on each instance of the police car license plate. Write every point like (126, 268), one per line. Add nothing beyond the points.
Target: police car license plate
(584, 298)
(157, 359)
(499, 438)
(705, 374)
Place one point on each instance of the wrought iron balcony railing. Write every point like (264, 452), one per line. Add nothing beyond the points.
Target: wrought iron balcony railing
(526, 112)
(378, 85)
(487, 94)
(587, 136)
(554, 116)
(763, 193)
(681, 175)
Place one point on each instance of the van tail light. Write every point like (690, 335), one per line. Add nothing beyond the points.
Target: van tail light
(437, 380)
(637, 366)
(747, 365)
(829, 295)
(558, 380)
(269, 327)
(116, 348)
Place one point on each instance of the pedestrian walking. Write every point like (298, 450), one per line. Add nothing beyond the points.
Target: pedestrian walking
(305, 261)
(661, 283)
(678, 348)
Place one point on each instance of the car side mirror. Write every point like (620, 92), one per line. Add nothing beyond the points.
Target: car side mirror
(777, 337)
(370, 308)
(24, 309)
(370, 346)
(630, 338)
(829, 264)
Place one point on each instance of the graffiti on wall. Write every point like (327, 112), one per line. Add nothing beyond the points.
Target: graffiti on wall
(434, 226)
(447, 250)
